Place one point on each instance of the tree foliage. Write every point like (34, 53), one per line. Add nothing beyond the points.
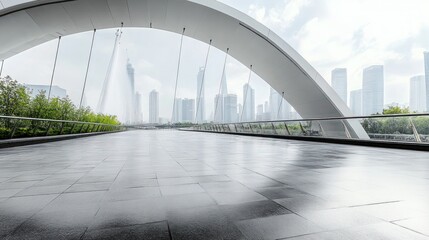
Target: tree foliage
(396, 110)
(15, 100)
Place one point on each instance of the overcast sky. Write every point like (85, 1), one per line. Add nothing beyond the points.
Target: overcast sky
(328, 33)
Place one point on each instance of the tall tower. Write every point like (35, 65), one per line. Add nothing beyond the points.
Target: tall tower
(248, 113)
(356, 102)
(426, 57)
(339, 82)
(418, 94)
(154, 107)
(230, 108)
(132, 110)
(279, 107)
(177, 115)
(200, 97)
(373, 90)
(188, 110)
(130, 72)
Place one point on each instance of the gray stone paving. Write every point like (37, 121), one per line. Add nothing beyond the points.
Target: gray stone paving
(185, 185)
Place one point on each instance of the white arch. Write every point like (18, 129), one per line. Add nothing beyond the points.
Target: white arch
(30, 24)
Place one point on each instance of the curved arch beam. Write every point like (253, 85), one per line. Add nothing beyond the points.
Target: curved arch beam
(30, 24)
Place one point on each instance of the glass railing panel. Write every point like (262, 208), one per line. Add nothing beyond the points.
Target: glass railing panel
(280, 128)
(232, 128)
(389, 129)
(268, 128)
(294, 128)
(330, 128)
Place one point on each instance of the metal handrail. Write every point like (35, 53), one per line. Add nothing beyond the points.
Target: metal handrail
(273, 127)
(57, 121)
(331, 118)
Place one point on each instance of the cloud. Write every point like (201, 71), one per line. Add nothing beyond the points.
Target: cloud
(280, 16)
(354, 34)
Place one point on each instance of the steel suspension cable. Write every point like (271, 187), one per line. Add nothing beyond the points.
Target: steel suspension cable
(53, 70)
(280, 105)
(245, 95)
(221, 82)
(87, 69)
(202, 84)
(1, 68)
(177, 74)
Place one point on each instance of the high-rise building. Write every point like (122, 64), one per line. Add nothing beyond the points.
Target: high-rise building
(418, 94)
(188, 110)
(339, 82)
(230, 105)
(224, 89)
(260, 112)
(139, 109)
(356, 102)
(279, 107)
(200, 118)
(373, 90)
(130, 72)
(426, 58)
(177, 111)
(248, 113)
(219, 104)
(55, 90)
(154, 107)
(131, 110)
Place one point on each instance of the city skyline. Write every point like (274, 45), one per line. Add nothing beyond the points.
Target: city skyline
(398, 48)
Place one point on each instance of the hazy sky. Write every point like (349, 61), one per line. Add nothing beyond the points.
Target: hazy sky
(328, 33)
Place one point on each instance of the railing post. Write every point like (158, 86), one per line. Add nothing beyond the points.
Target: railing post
(274, 129)
(348, 135)
(61, 128)
(321, 129)
(250, 126)
(302, 129)
(48, 128)
(14, 128)
(415, 132)
(81, 128)
(72, 128)
(260, 126)
(287, 128)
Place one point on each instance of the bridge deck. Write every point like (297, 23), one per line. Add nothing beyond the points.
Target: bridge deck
(185, 185)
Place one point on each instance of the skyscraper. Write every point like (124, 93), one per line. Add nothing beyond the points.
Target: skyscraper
(373, 90)
(219, 114)
(219, 104)
(154, 107)
(188, 110)
(279, 107)
(339, 82)
(177, 111)
(356, 102)
(426, 57)
(259, 112)
(131, 102)
(418, 94)
(200, 96)
(248, 113)
(230, 105)
(139, 109)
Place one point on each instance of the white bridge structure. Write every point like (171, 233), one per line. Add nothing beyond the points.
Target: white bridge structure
(29, 24)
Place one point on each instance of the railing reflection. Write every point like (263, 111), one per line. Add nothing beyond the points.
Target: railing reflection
(395, 128)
